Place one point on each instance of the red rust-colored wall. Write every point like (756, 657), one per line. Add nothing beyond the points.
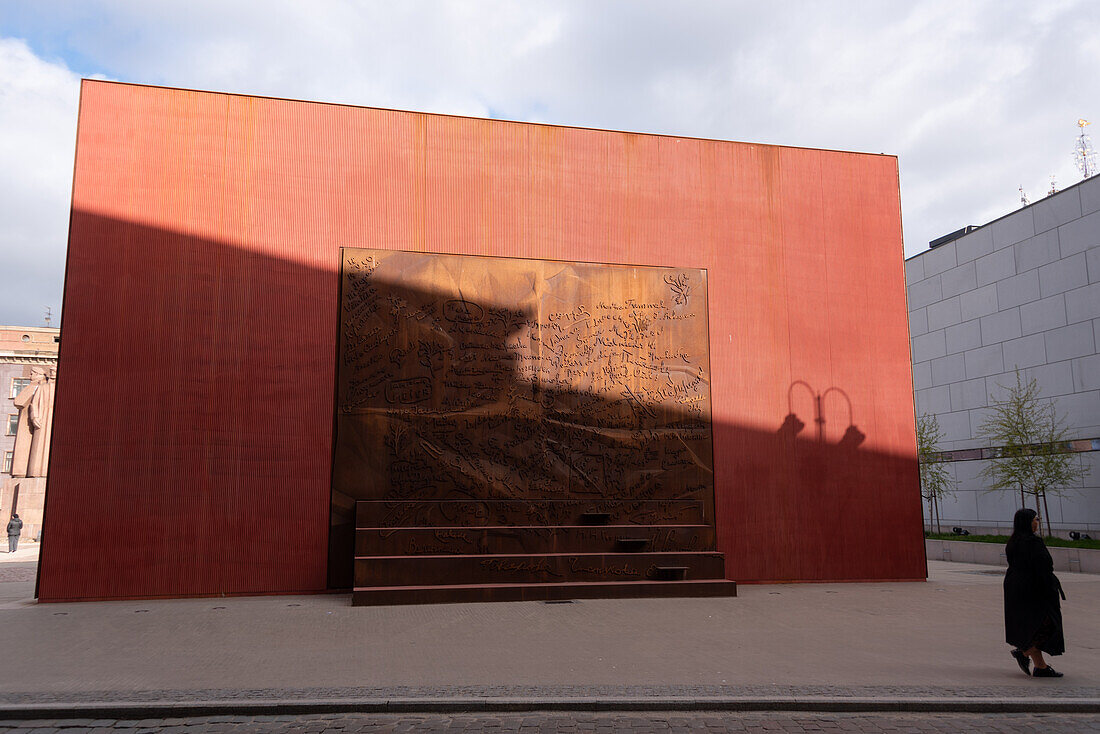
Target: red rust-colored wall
(193, 425)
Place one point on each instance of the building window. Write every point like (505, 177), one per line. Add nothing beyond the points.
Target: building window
(13, 424)
(17, 385)
(6, 469)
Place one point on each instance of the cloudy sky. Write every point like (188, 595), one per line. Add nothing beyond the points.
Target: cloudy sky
(975, 98)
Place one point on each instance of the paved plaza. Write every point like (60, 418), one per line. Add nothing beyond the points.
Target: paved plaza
(924, 656)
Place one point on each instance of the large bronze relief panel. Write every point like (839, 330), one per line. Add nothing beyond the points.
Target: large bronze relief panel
(463, 377)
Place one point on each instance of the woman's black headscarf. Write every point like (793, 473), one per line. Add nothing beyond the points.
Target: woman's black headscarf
(1021, 524)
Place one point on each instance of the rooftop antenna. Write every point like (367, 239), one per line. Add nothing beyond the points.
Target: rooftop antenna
(1053, 185)
(48, 315)
(1024, 201)
(1083, 154)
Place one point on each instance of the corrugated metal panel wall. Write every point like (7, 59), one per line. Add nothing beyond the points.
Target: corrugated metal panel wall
(193, 432)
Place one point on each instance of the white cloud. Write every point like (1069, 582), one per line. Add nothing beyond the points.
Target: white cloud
(975, 98)
(38, 103)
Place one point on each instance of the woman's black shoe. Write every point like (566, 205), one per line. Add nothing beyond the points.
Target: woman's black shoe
(1023, 661)
(1047, 672)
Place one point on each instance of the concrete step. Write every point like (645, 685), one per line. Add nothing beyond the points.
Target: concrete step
(465, 593)
(535, 568)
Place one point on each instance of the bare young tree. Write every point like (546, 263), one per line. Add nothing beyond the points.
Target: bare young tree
(1030, 439)
(936, 481)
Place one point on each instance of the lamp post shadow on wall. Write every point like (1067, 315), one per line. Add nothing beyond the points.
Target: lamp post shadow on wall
(793, 425)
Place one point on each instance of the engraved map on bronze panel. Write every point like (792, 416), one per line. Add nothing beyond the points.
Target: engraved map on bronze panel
(487, 378)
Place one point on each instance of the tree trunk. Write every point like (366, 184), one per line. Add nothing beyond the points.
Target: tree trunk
(938, 528)
(1046, 513)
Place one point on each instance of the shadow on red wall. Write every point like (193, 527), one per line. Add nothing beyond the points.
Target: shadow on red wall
(193, 437)
(802, 508)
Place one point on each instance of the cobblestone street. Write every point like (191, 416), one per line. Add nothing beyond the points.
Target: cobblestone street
(529, 723)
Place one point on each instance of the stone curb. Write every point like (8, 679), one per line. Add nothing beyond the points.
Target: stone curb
(1066, 560)
(289, 707)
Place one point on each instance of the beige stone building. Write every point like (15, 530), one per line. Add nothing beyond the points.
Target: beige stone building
(28, 369)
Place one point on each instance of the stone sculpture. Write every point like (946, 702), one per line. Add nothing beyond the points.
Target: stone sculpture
(32, 438)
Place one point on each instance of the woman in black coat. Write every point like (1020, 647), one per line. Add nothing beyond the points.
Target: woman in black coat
(1033, 614)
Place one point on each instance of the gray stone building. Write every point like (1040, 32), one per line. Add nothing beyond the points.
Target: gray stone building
(1020, 292)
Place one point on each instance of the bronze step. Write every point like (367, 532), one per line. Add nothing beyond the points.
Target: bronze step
(465, 593)
(474, 513)
(532, 568)
(533, 539)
